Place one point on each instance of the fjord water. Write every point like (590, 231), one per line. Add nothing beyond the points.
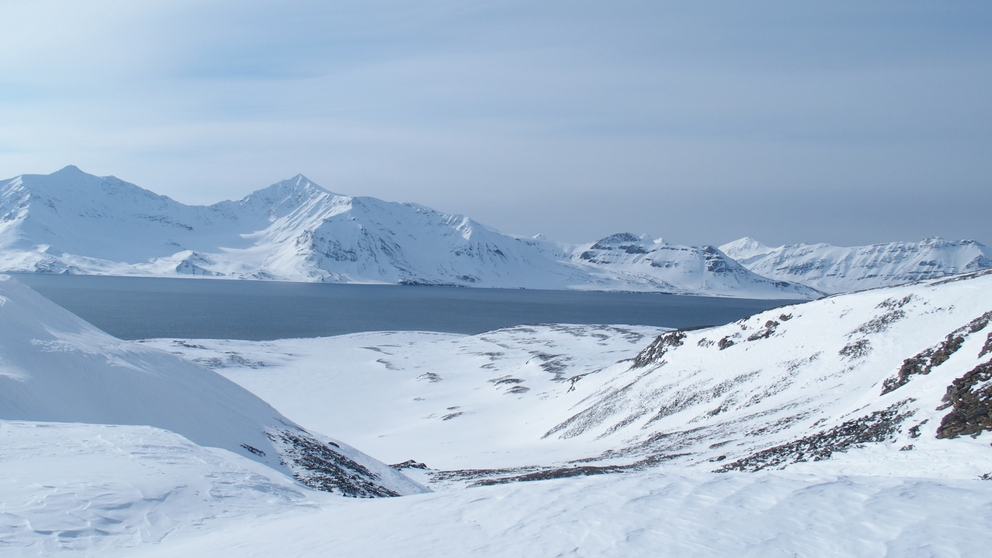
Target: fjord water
(143, 307)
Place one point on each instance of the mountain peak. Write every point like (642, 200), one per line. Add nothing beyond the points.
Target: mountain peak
(293, 190)
(301, 183)
(617, 239)
(744, 248)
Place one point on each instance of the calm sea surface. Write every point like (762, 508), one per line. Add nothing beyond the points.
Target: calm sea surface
(141, 308)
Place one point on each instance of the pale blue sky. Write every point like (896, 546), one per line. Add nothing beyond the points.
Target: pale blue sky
(700, 122)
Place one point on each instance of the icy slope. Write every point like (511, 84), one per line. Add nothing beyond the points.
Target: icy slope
(55, 367)
(72, 222)
(834, 269)
(810, 382)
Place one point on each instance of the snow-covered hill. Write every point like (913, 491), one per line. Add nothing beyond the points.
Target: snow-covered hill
(886, 381)
(73, 222)
(55, 367)
(857, 381)
(835, 269)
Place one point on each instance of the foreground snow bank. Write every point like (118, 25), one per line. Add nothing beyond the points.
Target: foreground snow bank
(88, 489)
(98, 490)
(643, 514)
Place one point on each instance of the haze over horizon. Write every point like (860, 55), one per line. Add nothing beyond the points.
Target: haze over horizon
(845, 123)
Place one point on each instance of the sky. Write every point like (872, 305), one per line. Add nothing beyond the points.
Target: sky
(697, 122)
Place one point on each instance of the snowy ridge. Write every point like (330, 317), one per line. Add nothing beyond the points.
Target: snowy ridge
(835, 269)
(55, 367)
(73, 222)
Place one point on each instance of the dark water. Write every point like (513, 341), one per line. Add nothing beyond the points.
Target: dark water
(140, 308)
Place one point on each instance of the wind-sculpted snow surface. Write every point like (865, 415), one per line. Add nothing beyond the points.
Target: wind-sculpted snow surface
(637, 515)
(834, 269)
(55, 367)
(73, 222)
(88, 489)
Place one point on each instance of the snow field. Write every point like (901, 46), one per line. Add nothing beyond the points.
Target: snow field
(870, 477)
(641, 514)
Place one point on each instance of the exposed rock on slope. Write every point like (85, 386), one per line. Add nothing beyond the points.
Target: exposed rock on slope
(55, 367)
(904, 367)
(834, 269)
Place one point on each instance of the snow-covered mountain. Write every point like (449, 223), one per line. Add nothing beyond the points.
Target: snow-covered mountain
(73, 222)
(835, 269)
(671, 267)
(54, 367)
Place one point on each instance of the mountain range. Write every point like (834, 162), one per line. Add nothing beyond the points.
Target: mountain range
(76, 223)
(73, 222)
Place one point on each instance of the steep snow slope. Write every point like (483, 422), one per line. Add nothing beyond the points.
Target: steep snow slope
(858, 380)
(55, 367)
(835, 269)
(72, 222)
(897, 370)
